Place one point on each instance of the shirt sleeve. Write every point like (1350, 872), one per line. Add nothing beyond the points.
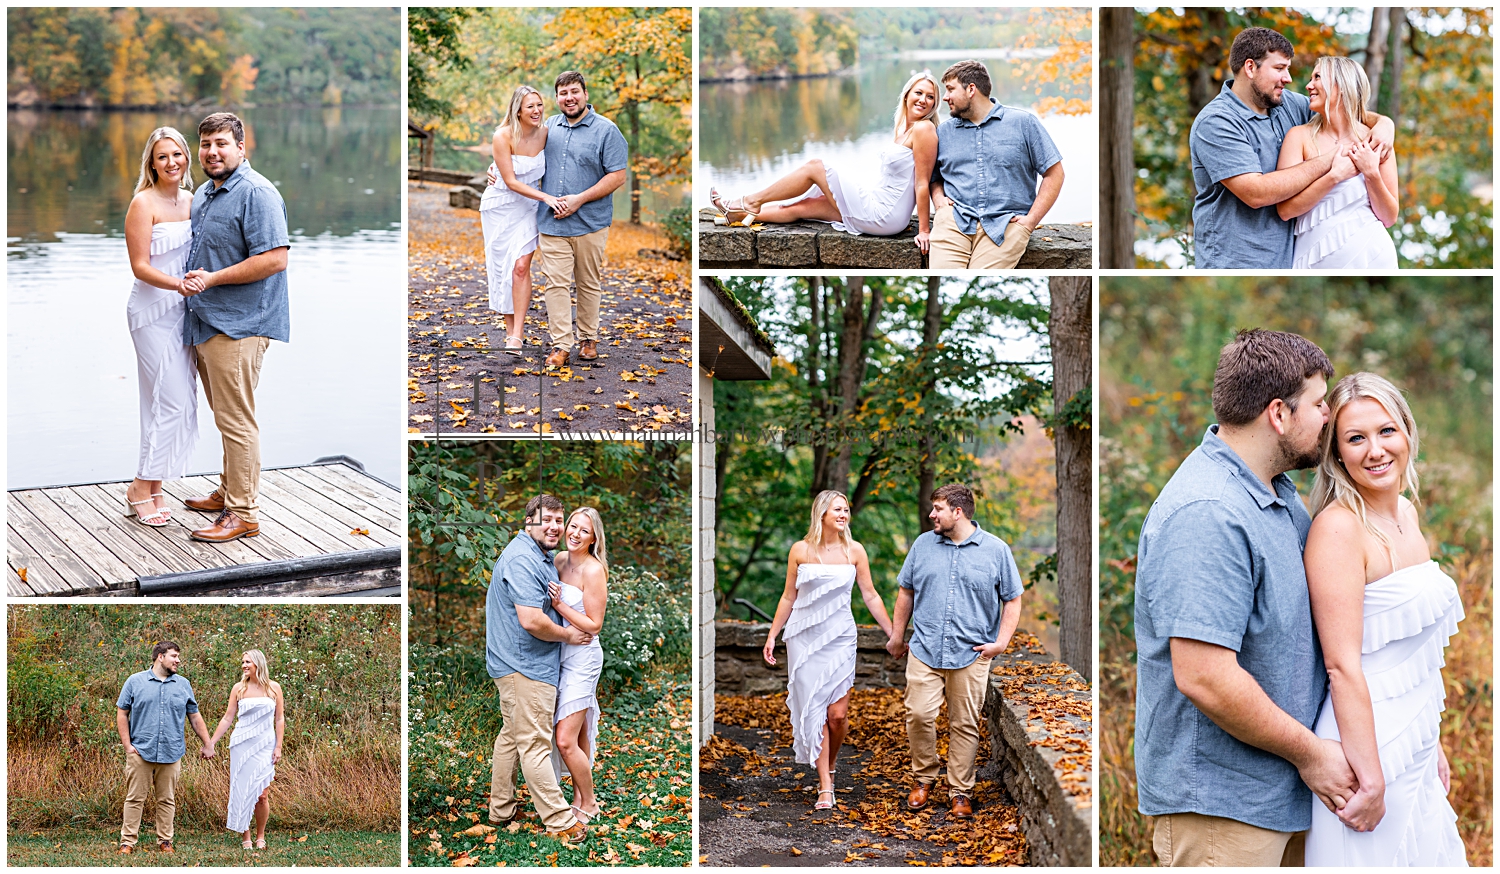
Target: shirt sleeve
(127, 695)
(192, 700)
(524, 576)
(906, 579)
(1222, 147)
(1008, 583)
(1039, 143)
(616, 151)
(264, 221)
(1196, 576)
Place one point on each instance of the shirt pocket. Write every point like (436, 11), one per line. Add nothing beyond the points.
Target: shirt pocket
(224, 236)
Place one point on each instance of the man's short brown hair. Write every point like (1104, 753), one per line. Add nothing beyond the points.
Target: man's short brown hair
(1254, 43)
(222, 121)
(163, 648)
(1261, 366)
(569, 77)
(970, 73)
(540, 503)
(957, 496)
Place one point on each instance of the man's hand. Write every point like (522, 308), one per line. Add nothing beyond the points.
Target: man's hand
(208, 751)
(1364, 811)
(566, 205)
(492, 175)
(1025, 221)
(990, 650)
(130, 750)
(1328, 775)
(196, 281)
(896, 647)
(1366, 158)
(576, 637)
(1384, 134)
(1443, 773)
(1343, 166)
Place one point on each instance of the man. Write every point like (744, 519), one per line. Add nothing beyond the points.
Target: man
(586, 161)
(149, 716)
(236, 305)
(1229, 674)
(522, 652)
(989, 158)
(953, 584)
(1235, 143)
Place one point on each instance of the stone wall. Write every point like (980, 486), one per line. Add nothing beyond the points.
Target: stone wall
(810, 244)
(740, 670)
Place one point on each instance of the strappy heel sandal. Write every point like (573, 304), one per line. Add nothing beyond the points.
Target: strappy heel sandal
(164, 511)
(513, 346)
(260, 843)
(156, 519)
(247, 845)
(825, 805)
(584, 816)
(731, 206)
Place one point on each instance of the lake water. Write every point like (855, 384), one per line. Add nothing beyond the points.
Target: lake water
(751, 133)
(336, 389)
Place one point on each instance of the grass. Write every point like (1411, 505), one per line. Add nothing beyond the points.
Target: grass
(74, 847)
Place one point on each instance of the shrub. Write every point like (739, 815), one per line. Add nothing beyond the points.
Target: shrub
(678, 226)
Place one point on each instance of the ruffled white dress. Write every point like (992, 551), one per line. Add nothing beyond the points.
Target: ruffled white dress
(166, 367)
(820, 639)
(1342, 232)
(1409, 616)
(508, 220)
(579, 677)
(250, 768)
(881, 205)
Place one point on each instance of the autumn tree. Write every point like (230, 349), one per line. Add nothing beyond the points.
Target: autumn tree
(1070, 30)
(432, 37)
(1116, 126)
(1070, 333)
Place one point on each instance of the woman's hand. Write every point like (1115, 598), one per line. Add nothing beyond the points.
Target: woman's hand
(767, 650)
(1343, 165)
(554, 591)
(1365, 810)
(1443, 773)
(1366, 159)
(276, 756)
(924, 242)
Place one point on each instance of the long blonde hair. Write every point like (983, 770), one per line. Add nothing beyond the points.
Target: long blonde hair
(259, 673)
(820, 506)
(148, 176)
(1353, 86)
(596, 549)
(512, 121)
(1333, 484)
(901, 126)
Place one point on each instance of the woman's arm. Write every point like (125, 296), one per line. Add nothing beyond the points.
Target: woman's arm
(595, 594)
(1336, 585)
(500, 148)
(788, 598)
(229, 713)
(138, 246)
(924, 153)
(1293, 153)
(280, 722)
(1380, 180)
(872, 598)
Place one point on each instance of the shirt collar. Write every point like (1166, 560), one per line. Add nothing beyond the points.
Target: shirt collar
(971, 539)
(151, 675)
(1238, 106)
(997, 112)
(233, 180)
(537, 547)
(588, 118)
(1216, 449)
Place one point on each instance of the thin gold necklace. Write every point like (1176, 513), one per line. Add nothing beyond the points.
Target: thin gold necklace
(1399, 529)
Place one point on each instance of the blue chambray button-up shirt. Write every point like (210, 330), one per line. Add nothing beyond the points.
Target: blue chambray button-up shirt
(245, 216)
(578, 156)
(1220, 560)
(958, 592)
(989, 170)
(158, 714)
(520, 578)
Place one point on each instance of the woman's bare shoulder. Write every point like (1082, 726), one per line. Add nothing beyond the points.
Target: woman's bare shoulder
(1335, 524)
(857, 551)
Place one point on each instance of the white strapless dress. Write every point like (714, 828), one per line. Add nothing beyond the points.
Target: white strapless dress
(881, 205)
(1342, 232)
(166, 367)
(250, 768)
(1409, 616)
(579, 677)
(508, 220)
(820, 639)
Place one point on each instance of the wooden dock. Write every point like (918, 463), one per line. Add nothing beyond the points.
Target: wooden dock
(326, 529)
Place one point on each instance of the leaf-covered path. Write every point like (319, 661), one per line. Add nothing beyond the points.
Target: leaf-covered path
(755, 802)
(642, 380)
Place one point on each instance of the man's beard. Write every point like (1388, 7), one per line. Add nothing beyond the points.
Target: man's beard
(1264, 100)
(1291, 458)
(169, 669)
(576, 113)
(224, 172)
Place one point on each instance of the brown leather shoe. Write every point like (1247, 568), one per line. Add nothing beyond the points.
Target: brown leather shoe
(960, 807)
(127, 849)
(558, 358)
(588, 350)
(571, 836)
(918, 797)
(226, 528)
(213, 503)
(165, 847)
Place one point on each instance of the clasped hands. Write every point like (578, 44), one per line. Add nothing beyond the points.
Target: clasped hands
(207, 752)
(1332, 780)
(1356, 158)
(572, 634)
(195, 282)
(561, 207)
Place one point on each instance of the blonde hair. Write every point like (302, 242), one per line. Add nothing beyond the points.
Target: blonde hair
(512, 121)
(148, 177)
(1333, 484)
(820, 506)
(901, 124)
(596, 549)
(1348, 78)
(260, 673)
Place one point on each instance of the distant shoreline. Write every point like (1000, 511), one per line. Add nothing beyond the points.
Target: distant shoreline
(179, 107)
(781, 74)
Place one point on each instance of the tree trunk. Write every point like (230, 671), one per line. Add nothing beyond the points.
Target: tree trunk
(858, 331)
(1203, 86)
(1116, 133)
(1069, 329)
(633, 110)
(814, 384)
(932, 327)
(1397, 61)
(1375, 48)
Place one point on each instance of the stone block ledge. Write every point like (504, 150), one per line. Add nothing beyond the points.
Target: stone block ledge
(809, 244)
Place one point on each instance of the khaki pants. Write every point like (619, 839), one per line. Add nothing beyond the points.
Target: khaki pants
(230, 370)
(140, 777)
(926, 690)
(1193, 840)
(525, 740)
(952, 249)
(572, 260)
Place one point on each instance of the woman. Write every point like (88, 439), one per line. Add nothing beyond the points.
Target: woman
(255, 746)
(158, 236)
(818, 191)
(1346, 226)
(507, 211)
(579, 600)
(820, 635)
(1384, 613)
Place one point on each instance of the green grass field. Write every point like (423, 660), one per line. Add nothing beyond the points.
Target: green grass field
(73, 848)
